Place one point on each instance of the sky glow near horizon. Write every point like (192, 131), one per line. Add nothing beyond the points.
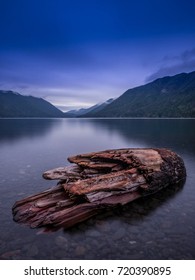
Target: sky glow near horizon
(78, 53)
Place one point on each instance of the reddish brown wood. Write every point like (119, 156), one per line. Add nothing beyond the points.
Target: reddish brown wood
(98, 180)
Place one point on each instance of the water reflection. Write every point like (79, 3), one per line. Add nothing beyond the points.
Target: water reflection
(12, 129)
(161, 226)
(173, 133)
(137, 210)
(146, 205)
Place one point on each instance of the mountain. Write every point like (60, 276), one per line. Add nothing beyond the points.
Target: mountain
(91, 110)
(165, 97)
(171, 96)
(13, 104)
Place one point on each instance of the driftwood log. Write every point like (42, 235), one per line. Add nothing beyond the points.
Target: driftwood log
(97, 181)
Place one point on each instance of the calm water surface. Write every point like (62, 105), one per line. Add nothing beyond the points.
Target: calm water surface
(159, 227)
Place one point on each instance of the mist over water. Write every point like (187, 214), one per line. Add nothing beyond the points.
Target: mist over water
(158, 227)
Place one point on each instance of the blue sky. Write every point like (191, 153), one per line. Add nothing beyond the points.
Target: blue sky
(78, 53)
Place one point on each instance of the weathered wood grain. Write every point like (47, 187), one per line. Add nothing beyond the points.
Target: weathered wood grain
(97, 181)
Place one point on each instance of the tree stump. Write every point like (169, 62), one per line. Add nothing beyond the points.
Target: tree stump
(98, 181)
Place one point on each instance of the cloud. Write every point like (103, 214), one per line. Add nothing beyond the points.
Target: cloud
(188, 55)
(172, 65)
(93, 73)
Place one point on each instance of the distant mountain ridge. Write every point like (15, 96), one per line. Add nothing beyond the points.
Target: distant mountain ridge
(171, 96)
(91, 110)
(15, 105)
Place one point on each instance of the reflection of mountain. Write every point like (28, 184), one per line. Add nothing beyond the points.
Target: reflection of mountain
(11, 129)
(171, 133)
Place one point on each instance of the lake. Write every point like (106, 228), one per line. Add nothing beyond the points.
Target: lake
(161, 226)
